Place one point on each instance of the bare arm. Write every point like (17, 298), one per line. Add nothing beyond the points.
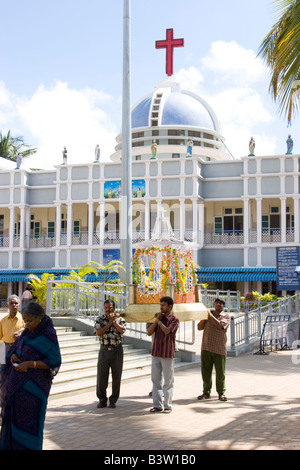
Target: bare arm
(152, 326)
(201, 325)
(222, 324)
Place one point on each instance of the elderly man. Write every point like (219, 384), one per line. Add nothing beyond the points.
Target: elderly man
(12, 324)
(213, 349)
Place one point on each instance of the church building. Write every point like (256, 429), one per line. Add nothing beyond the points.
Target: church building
(234, 213)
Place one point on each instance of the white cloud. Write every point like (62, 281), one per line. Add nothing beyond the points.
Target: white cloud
(230, 61)
(7, 106)
(60, 116)
(230, 79)
(191, 78)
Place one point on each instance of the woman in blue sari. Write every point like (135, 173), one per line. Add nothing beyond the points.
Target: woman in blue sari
(32, 362)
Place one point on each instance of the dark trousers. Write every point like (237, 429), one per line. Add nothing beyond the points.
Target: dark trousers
(3, 384)
(208, 360)
(109, 360)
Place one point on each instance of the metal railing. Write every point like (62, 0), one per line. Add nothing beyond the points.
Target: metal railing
(83, 299)
(86, 300)
(232, 299)
(248, 326)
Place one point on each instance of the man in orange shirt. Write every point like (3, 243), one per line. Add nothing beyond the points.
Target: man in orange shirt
(12, 324)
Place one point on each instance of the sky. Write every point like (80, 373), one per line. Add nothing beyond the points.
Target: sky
(61, 71)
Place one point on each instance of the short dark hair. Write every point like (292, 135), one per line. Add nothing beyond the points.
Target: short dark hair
(167, 299)
(33, 309)
(220, 300)
(110, 301)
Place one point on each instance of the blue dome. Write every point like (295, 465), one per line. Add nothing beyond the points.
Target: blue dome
(170, 105)
(140, 114)
(183, 110)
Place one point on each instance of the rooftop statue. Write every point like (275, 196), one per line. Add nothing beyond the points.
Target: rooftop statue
(189, 149)
(154, 150)
(290, 145)
(251, 147)
(65, 156)
(97, 154)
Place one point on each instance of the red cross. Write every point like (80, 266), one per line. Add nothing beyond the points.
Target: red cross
(169, 44)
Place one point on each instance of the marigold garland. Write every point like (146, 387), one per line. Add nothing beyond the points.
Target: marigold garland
(164, 269)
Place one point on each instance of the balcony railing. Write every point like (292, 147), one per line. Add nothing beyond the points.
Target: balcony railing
(237, 237)
(226, 237)
(112, 237)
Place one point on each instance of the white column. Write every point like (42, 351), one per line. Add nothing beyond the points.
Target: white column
(22, 226)
(147, 220)
(283, 219)
(159, 213)
(258, 219)
(69, 223)
(182, 219)
(11, 227)
(259, 230)
(22, 237)
(195, 221)
(296, 220)
(90, 223)
(246, 221)
(201, 224)
(27, 226)
(58, 225)
(102, 223)
(57, 233)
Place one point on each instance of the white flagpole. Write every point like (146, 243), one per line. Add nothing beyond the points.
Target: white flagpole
(126, 188)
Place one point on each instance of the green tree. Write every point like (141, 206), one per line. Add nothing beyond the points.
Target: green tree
(39, 287)
(10, 147)
(281, 52)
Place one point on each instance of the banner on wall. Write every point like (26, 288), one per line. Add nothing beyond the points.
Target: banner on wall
(112, 254)
(287, 258)
(112, 189)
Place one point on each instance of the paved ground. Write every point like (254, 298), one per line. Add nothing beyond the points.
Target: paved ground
(262, 413)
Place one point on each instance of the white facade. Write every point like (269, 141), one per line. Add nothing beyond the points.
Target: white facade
(235, 212)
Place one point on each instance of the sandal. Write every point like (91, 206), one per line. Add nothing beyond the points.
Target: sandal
(155, 410)
(222, 397)
(167, 410)
(204, 396)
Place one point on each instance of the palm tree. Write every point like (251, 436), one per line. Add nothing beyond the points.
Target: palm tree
(39, 284)
(79, 274)
(281, 52)
(10, 147)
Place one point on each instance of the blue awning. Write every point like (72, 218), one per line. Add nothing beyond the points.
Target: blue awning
(16, 275)
(236, 274)
(203, 274)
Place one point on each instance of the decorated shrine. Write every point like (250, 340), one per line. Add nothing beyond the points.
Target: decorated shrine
(164, 266)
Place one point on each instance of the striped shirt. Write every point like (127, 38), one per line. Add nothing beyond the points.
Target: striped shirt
(164, 345)
(214, 335)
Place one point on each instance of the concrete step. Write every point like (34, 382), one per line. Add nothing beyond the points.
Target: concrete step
(78, 372)
(85, 384)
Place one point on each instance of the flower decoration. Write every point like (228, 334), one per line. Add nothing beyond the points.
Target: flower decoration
(167, 266)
